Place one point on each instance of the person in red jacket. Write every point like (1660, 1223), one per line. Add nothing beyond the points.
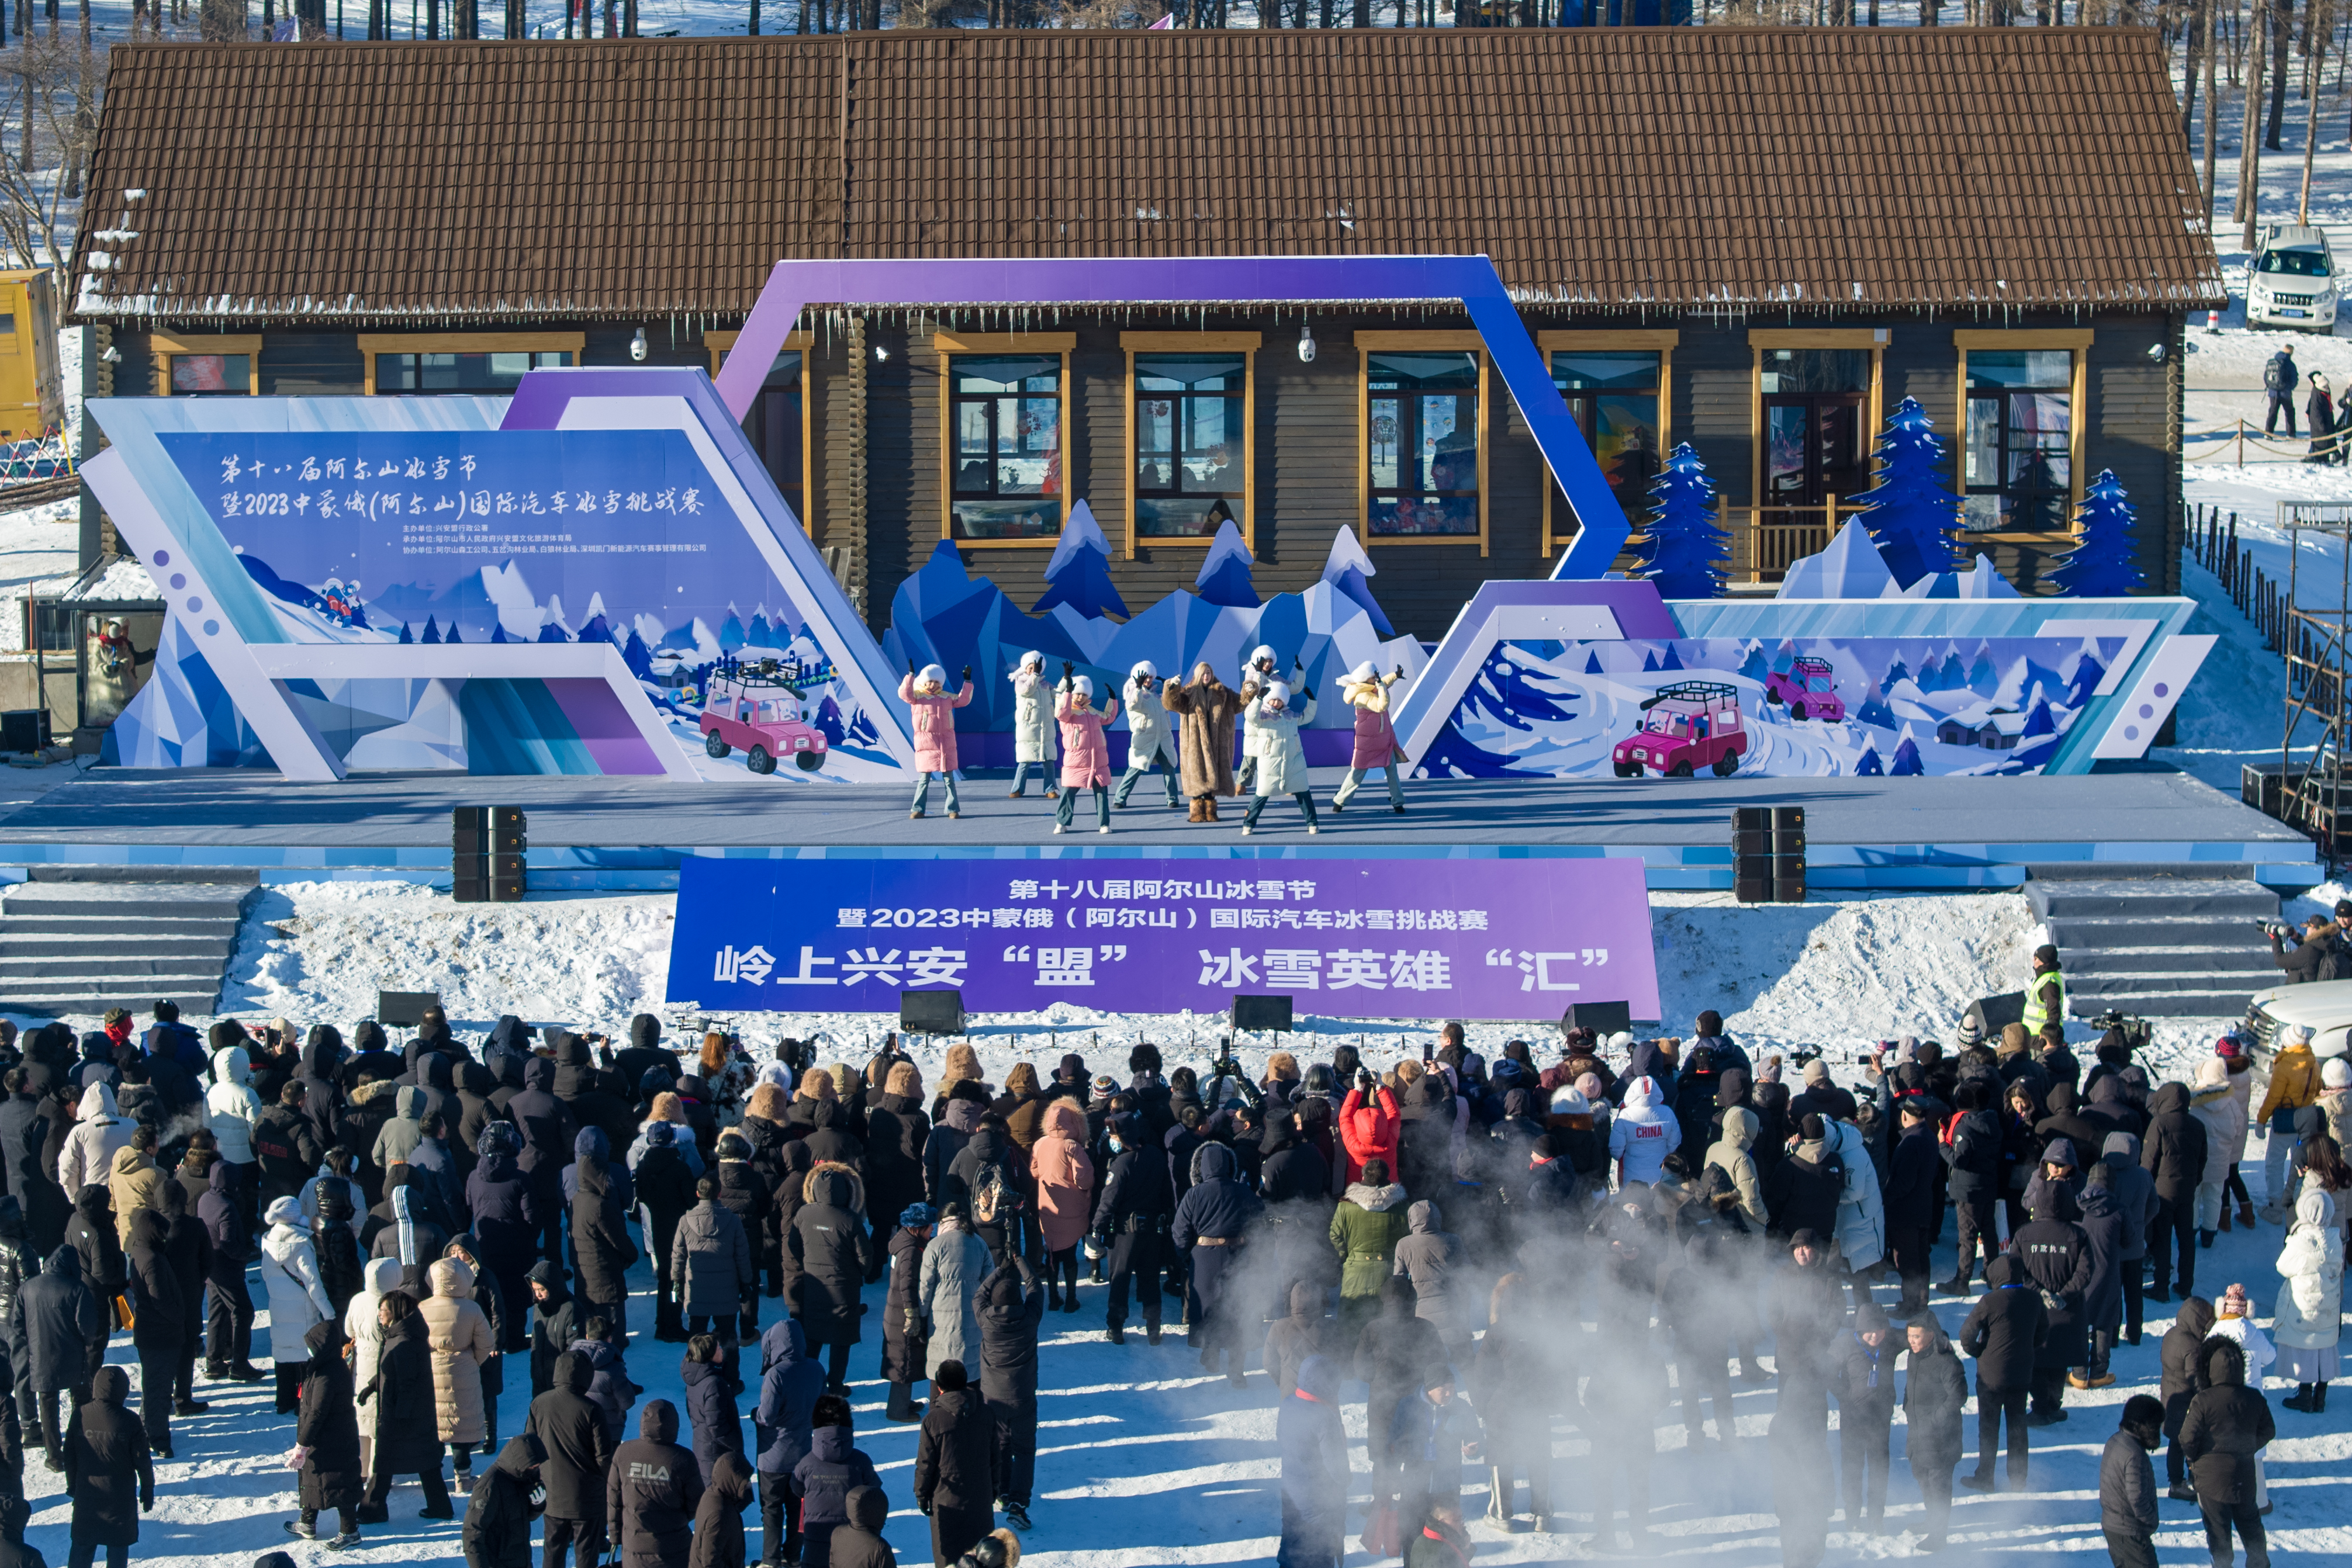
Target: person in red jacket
(1369, 1128)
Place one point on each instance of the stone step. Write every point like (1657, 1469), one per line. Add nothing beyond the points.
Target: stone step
(2163, 1004)
(2246, 900)
(2109, 985)
(22, 971)
(2152, 960)
(193, 998)
(77, 943)
(220, 875)
(2161, 931)
(43, 944)
(121, 901)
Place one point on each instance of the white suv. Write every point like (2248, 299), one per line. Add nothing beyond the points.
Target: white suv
(2324, 1007)
(2292, 280)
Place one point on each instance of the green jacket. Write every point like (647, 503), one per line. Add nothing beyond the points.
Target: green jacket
(1365, 1230)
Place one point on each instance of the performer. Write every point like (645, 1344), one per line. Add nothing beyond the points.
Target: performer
(1256, 675)
(1367, 692)
(1281, 759)
(1207, 708)
(935, 735)
(1086, 752)
(1148, 733)
(1033, 726)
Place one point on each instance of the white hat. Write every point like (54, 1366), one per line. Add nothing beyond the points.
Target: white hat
(1622, 1040)
(1277, 694)
(1364, 672)
(2298, 1034)
(1261, 652)
(1084, 685)
(934, 674)
(1144, 671)
(2336, 1074)
(1033, 657)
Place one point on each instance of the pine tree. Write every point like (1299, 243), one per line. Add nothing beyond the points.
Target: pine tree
(406, 635)
(1224, 576)
(2103, 565)
(1683, 551)
(432, 638)
(498, 633)
(1909, 510)
(1078, 575)
(1868, 765)
(1906, 763)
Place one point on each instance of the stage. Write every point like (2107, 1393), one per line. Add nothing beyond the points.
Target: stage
(591, 833)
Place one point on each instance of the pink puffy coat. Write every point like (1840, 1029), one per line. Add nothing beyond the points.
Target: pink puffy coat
(1064, 1175)
(935, 741)
(1376, 742)
(1086, 756)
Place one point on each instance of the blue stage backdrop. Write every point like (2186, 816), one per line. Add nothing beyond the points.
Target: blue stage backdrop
(1347, 938)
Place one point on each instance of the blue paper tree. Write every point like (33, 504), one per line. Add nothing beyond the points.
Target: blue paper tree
(1225, 576)
(405, 634)
(1348, 568)
(432, 638)
(2103, 565)
(1908, 509)
(1683, 551)
(638, 657)
(1078, 575)
(1906, 763)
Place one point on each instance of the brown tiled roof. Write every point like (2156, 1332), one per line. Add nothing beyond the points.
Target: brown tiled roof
(1960, 170)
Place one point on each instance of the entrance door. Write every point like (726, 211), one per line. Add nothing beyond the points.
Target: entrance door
(1816, 449)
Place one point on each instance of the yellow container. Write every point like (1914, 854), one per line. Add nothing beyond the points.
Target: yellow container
(32, 397)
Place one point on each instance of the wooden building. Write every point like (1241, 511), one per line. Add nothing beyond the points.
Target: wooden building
(1757, 241)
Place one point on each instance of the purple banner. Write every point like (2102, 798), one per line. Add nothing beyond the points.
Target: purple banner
(1344, 938)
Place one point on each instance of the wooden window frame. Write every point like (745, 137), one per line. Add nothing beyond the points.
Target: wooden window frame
(373, 343)
(1370, 343)
(1662, 341)
(2075, 340)
(163, 345)
(1759, 340)
(1245, 344)
(717, 344)
(947, 345)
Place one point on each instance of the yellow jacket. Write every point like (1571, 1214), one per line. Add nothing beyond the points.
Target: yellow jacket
(2295, 1082)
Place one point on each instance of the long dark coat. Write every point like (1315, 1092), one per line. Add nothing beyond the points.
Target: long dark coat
(830, 1244)
(496, 1532)
(599, 1236)
(577, 1448)
(2006, 1329)
(107, 1471)
(1935, 1392)
(62, 1324)
(407, 1431)
(161, 1323)
(650, 1498)
(791, 1382)
(328, 1426)
(1205, 745)
(903, 1348)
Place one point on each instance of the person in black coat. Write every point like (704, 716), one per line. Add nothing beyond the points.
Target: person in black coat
(710, 1412)
(91, 1233)
(1135, 1203)
(1910, 1206)
(548, 1132)
(2004, 1334)
(62, 1326)
(189, 1248)
(1974, 1186)
(576, 1453)
(1934, 1392)
(895, 1131)
(718, 1517)
(1862, 1375)
(652, 1493)
(665, 1192)
(955, 1462)
(2103, 1226)
(407, 1430)
(555, 1322)
(1396, 1347)
(497, 1533)
(1010, 1305)
(903, 1338)
(329, 1427)
(2182, 1359)
(2057, 1260)
(107, 1472)
(1214, 1222)
(823, 1478)
(828, 1246)
(158, 1325)
(2174, 1154)
(506, 1221)
(228, 1310)
(858, 1543)
(1802, 1191)
(600, 1243)
(2225, 1430)
(26, 1123)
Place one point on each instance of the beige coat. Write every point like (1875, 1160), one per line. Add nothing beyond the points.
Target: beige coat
(134, 1183)
(1730, 1154)
(459, 1334)
(1209, 709)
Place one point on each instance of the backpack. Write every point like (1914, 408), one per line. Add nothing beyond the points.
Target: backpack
(994, 1198)
(2278, 373)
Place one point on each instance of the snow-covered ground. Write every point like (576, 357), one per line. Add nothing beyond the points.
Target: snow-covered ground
(1142, 1460)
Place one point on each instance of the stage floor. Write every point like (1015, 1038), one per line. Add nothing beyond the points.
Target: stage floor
(1970, 828)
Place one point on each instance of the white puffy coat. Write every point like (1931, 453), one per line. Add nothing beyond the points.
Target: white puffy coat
(2310, 1308)
(366, 1333)
(1860, 1216)
(289, 1268)
(1032, 716)
(231, 1107)
(1148, 731)
(1273, 739)
(953, 1266)
(88, 1158)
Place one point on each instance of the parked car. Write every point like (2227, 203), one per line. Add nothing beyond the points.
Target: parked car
(2325, 1006)
(1686, 726)
(2291, 282)
(753, 707)
(1808, 689)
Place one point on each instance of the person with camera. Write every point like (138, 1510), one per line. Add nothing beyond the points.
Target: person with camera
(1369, 1125)
(2314, 959)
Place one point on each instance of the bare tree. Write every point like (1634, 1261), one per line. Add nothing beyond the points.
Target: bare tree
(53, 89)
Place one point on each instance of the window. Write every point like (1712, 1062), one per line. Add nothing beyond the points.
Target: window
(778, 425)
(2020, 429)
(212, 365)
(1424, 436)
(1006, 430)
(1816, 408)
(460, 364)
(1189, 413)
(492, 373)
(2294, 263)
(1616, 386)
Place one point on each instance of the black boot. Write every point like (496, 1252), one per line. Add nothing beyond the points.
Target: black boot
(2319, 1398)
(2300, 1399)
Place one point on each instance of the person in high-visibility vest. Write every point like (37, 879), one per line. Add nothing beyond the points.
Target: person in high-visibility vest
(2045, 994)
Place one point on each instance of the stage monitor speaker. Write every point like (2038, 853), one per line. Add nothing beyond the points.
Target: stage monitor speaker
(404, 1009)
(931, 1012)
(508, 841)
(1749, 841)
(1993, 1014)
(1263, 1015)
(24, 729)
(1788, 818)
(476, 818)
(1751, 819)
(512, 817)
(1748, 889)
(507, 889)
(1604, 1018)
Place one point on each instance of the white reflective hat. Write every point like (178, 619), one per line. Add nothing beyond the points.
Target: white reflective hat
(1144, 671)
(934, 674)
(1084, 685)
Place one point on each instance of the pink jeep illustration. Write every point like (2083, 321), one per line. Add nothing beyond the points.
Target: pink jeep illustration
(1807, 688)
(756, 708)
(1688, 726)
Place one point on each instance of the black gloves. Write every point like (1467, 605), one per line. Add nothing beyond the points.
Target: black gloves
(967, 672)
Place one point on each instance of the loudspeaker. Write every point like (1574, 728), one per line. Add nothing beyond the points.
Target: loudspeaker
(1788, 818)
(1750, 841)
(404, 1009)
(24, 729)
(1751, 889)
(1263, 1014)
(508, 890)
(931, 1012)
(1751, 819)
(512, 817)
(1607, 1018)
(1786, 891)
(509, 840)
(1993, 1014)
(474, 818)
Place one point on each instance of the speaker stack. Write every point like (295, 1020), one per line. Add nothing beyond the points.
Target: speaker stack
(487, 845)
(1768, 854)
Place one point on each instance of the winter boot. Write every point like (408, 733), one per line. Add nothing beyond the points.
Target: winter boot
(1498, 1499)
(306, 1529)
(1211, 802)
(1053, 1299)
(2245, 1214)
(2204, 1239)
(2223, 1227)
(902, 1406)
(1117, 1335)
(1152, 1333)
(1540, 1498)
(2319, 1399)
(2300, 1399)
(1195, 814)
